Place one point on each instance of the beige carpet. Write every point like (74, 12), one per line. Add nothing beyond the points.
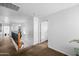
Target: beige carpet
(40, 50)
(7, 48)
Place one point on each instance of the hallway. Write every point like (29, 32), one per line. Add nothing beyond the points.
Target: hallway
(7, 48)
(40, 50)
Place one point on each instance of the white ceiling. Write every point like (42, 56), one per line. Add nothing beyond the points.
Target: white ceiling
(42, 9)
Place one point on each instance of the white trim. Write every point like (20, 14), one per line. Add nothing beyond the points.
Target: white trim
(15, 44)
(59, 50)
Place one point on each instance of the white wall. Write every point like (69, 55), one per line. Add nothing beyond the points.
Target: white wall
(36, 30)
(28, 35)
(63, 26)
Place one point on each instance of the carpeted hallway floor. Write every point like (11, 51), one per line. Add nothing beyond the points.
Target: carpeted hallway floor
(40, 50)
(7, 48)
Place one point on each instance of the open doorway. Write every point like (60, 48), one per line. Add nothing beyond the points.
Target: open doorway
(6, 30)
(43, 31)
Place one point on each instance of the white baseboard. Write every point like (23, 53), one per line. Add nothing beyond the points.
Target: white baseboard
(58, 50)
(14, 44)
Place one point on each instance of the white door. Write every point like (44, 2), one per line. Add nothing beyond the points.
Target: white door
(44, 29)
